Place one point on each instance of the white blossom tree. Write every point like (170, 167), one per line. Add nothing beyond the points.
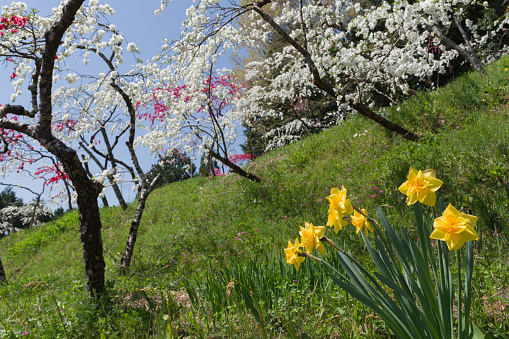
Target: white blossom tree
(347, 51)
(68, 106)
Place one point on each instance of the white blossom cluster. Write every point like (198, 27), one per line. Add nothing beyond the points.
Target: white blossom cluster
(13, 218)
(360, 51)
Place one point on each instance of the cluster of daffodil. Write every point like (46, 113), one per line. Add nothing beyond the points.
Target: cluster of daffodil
(418, 273)
(453, 227)
(339, 209)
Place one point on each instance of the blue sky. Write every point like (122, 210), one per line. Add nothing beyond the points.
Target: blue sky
(137, 22)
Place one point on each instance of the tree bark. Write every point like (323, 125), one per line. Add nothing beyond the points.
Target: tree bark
(470, 57)
(135, 224)
(88, 209)
(235, 168)
(3, 278)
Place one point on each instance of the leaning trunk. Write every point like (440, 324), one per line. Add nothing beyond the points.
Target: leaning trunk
(135, 224)
(117, 192)
(235, 169)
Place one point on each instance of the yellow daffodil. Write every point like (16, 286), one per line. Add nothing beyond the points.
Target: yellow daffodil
(338, 207)
(455, 228)
(292, 256)
(421, 186)
(310, 237)
(339, 202)
(361, 222)
(336, 219)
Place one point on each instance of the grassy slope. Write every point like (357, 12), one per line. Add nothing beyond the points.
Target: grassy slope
(194, 227)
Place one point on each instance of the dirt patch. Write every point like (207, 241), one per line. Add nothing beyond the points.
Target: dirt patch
(153, 300)
(497, 306)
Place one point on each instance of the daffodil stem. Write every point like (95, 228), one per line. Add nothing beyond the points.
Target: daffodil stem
(306, 254)
(460, 304)
(332, 243)
(310, 256)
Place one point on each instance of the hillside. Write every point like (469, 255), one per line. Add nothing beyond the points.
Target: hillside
(199, 234)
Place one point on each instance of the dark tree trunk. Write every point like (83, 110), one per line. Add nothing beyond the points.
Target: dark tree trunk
(91, 240)
(3, 278)
(86, 189)
(117, 192)
(235, 168)
(88, 209)
(470, 57)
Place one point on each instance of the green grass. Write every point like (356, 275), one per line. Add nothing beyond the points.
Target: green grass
(199, 235)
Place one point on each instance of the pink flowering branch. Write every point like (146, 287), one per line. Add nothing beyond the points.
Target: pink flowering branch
(220, 94)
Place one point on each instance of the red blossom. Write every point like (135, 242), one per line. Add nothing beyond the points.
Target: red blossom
(160, 109)
(239, 158)
(55, 174)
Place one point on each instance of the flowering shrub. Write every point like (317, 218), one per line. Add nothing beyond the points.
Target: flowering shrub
(13, 218)
(418, 274)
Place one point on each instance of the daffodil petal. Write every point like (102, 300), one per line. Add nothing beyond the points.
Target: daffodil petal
(437, 234)
(411, 199)
(430, 199)
(429, 173)
(321, 248)
(348, 207)
(404, 188)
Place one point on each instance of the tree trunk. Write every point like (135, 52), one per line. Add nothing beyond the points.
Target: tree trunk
(470, 57)
(87, 190)
(235, 168)
(135, 224)
(391, 126)
(88, 209)
(91, 240)
(117, 192)
(3, 278)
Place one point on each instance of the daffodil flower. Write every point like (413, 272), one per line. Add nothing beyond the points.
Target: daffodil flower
(310, 237)
(421, 186)
(455, 228)
(339, 202)
(292, 254)
(339, 206)
(336, 219)
(361, 222)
